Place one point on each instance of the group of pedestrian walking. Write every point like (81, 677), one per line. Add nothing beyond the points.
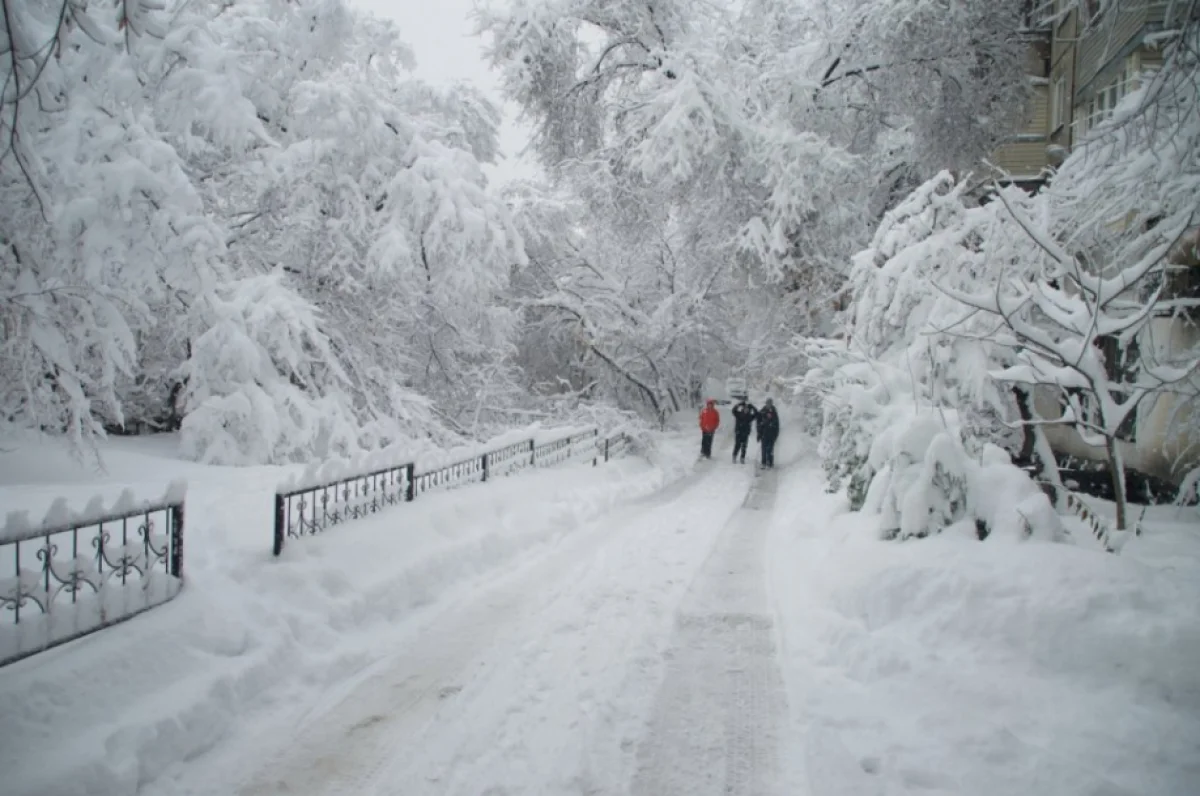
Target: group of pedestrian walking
(746, 417)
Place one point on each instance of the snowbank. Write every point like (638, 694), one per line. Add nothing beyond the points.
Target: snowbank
(955, 667)
(116, 709)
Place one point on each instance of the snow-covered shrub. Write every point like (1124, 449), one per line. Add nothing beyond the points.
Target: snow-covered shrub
(994, 422)
(843, 446)
(927, 482)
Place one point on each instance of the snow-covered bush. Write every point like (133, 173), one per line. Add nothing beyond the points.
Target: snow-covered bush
(851, 394)
(926, 482)
(916, 464)
(914, 426)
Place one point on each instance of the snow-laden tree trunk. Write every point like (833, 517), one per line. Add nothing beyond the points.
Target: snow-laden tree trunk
(1116, 468)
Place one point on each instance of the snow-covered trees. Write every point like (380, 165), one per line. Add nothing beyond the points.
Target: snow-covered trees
(740, 123)
(389, 231)
(244, 220)
(102, 228)
(613, 300)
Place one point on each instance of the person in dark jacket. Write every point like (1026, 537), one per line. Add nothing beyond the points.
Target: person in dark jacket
(744, 414)
(710, 420)
(768, 432)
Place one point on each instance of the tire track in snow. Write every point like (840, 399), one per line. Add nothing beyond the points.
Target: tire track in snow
(716, 723)
(372, 740)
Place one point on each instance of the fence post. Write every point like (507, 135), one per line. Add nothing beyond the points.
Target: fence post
(410, 489)
(485, 467)
(280, 521)
(606, 440)
(533, 453)
(596, 446)
(177, 540)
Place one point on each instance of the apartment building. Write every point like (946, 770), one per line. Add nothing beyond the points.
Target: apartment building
(1097, 58)
(1082, 63)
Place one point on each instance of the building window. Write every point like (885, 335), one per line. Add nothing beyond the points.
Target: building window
(1058, 104)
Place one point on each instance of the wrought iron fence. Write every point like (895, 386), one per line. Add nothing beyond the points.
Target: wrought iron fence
(612, 446)
(60, 583)
(468, 471)
(562, 450)
(312, 509)
(510, 458)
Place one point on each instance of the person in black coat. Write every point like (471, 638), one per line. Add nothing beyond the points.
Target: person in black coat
(744, 414)
(768, 432)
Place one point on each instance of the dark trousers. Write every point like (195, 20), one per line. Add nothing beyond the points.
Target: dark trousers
(740, 443)
(768, 451)
(706, 443)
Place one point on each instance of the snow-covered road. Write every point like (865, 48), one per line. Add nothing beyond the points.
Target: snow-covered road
(638, 654)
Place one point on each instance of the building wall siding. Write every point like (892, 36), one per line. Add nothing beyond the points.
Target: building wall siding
(1109, 38)
(1063, 46)
(1039, 111)
(1021, 158)
(1062, 66)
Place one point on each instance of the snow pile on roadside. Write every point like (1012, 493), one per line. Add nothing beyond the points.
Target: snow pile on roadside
(114, 709)
(952, 666)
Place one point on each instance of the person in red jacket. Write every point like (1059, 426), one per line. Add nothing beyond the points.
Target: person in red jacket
(710, 419)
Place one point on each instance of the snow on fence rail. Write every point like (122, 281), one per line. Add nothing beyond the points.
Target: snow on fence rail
(75, 573)
(306, 506)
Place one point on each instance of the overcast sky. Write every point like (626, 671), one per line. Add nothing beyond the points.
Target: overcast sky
(439, 33)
